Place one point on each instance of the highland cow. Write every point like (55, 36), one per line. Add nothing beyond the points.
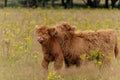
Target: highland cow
(50, 47)
(75, 44)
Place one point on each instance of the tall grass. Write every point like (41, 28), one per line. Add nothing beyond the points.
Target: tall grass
(20, 53)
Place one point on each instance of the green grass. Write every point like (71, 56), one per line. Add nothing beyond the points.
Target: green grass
(20, 53)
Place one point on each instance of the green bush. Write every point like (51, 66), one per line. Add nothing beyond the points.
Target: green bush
(22, 2)
(16, 3)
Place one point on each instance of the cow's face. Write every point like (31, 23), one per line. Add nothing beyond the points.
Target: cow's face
(43, 35)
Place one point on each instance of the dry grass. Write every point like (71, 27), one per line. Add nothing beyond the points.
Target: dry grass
(20, 53)
(93, 72)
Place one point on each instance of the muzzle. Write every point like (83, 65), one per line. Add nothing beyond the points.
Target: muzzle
(40, 39)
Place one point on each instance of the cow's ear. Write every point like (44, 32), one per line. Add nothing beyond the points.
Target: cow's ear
(52, 31)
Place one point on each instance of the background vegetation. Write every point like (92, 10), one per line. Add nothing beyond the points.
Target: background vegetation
(61, 3)
(20, 53)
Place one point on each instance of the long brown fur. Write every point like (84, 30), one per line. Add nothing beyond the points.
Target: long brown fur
(74, 44)
(50, 47)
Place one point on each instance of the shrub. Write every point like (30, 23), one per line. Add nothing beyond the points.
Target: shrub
(53, 76)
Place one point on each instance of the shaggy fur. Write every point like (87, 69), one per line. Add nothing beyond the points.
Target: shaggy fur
(50, 47)
(74, 44)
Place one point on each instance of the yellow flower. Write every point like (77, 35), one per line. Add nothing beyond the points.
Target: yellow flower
(99, 63)
(109, 57)
(13, 55)
(21, 47)
(53, 76)
(102, 55)
(35, 56)
(0, 52)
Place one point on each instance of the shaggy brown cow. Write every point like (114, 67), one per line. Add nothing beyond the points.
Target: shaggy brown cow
(50, 47)
(74, 44)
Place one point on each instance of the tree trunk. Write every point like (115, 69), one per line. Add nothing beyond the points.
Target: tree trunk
(96, 3)
(6, 3)
(37, 3)
(43, 3)
(63, 2)
(89, 2)
(106, 3)
(53, 3)
(34, 3)
(93, 3)
(69, 3)
(28, 3)
(113, 3)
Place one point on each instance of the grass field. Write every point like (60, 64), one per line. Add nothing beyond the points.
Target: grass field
(20, 53)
